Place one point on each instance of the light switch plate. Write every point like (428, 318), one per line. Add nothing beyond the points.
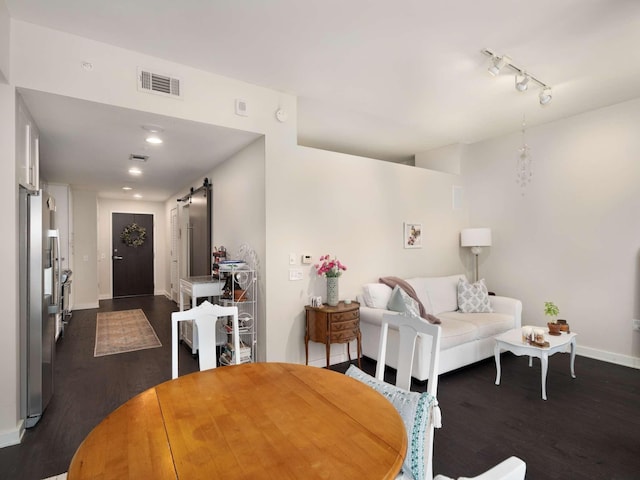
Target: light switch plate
(295, 274)
(292, 259)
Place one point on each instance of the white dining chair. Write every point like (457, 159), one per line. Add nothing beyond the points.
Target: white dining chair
(409, 327)
(205, 317)
(513, 468)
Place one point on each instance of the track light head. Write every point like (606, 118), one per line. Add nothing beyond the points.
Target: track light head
(523, 84)
(545, 96)
(498, 64)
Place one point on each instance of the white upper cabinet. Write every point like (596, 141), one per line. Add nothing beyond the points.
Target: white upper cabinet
(27, 147)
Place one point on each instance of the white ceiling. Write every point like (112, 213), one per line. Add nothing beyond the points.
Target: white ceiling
(373, 77)
(88, 145)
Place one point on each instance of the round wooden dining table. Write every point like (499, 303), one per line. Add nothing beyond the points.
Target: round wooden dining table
(250, 421)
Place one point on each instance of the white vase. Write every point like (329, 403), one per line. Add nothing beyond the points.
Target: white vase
(332, 291)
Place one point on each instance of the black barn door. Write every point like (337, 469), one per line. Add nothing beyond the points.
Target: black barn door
(132, 256)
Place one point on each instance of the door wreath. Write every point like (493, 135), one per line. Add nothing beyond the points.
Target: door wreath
(134, 235)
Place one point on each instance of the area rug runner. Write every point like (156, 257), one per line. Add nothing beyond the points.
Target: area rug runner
(123, 331)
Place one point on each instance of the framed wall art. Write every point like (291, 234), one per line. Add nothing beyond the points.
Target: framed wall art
(412, 235)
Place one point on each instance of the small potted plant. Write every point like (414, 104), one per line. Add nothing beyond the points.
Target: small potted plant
(552, 311)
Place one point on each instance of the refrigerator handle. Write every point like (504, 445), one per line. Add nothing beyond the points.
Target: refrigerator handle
(56, 266)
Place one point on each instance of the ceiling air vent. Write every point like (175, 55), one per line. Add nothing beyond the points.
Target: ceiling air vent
(158, 83)
(138, 158)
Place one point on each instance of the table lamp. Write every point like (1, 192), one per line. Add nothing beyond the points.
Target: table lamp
(476, 238)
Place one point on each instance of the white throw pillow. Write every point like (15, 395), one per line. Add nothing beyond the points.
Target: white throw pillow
(473, 297)
(419, 285)
(376, 295)
(443, 292)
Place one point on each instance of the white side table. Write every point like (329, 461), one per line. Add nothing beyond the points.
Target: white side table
(512, 342)
(196, 287)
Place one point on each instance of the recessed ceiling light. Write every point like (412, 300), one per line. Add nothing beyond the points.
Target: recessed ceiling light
(126, 189)
(154, 130)
(154, 139)
(137, 195)
(135, 171)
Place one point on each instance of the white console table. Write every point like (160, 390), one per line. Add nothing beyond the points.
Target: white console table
(196, 287)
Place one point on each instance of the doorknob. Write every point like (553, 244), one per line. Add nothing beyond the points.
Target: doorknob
(116, 257)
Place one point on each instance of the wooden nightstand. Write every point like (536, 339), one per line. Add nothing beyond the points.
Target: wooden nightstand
(339, 324)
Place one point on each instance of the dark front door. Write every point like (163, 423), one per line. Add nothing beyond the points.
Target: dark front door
(132, 256)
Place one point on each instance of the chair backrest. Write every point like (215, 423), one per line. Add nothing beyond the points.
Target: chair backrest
(205, 317)
(408, 329)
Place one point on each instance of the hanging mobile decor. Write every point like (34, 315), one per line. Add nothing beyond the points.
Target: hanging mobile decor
(134, 235)
(524, 167)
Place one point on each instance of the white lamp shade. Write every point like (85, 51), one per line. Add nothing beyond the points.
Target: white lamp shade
(475, 237)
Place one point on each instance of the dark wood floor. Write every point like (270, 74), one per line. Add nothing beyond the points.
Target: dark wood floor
(89, 388)
(588, 429)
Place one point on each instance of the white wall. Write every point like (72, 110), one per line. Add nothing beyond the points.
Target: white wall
(84, 249)
(238, 215)
(106, 207)
(574, 236)
(10, 424)
(5, 27)
(238, 188)
(321, 202)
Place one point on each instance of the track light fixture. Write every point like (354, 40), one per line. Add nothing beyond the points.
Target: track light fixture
(522, 85)
(498, 64)
(522, 79)
(545, 96)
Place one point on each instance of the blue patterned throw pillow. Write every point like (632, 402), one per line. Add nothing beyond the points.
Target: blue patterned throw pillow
(473, 297)
(414, 409)
(400, 301)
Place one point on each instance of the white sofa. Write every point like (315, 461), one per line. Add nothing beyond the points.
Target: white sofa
(466, 337)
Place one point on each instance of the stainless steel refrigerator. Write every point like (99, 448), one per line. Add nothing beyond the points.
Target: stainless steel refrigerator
(39, 301)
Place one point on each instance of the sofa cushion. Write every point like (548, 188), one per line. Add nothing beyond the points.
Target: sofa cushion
(400, 301)
(414, 409)
(485, 324)
(376, 295)
(454, 332)
(473, 297)
(442, 292)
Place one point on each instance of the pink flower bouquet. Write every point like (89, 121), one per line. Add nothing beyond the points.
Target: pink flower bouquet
(329, 267)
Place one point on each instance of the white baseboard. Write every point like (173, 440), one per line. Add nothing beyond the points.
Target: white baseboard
(108, 296)
(338, 354)
(12, 437)
(624, 360)
(86, 306)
